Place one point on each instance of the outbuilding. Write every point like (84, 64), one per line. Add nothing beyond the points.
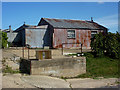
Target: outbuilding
(70, 33)
(31, 35)
(58, 33)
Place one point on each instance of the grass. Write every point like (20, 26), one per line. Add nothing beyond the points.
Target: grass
(100, 67)
(74, 54)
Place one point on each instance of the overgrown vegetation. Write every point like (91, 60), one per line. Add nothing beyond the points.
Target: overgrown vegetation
(100, 67)
(3, 39)
(0, 39)
(108, 45)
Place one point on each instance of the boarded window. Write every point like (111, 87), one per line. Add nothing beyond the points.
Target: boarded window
(71, 34)
(93, 33)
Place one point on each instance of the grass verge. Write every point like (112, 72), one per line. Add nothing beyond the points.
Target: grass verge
(100, 67)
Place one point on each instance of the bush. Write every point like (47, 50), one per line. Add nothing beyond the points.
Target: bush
(4, 40)
(106, 45)
(89, 54)
(97, 44)
(112, 45)
(0, 39)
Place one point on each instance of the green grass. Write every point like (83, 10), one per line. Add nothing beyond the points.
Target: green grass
(74, 54)
(100, 67)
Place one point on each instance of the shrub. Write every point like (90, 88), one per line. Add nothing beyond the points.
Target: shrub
(4, 40)
(106, 45)
(97, 44)
(0, 39)
(112, 45)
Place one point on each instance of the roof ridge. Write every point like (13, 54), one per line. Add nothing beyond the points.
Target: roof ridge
(73, 23)
(29, 25)
(66, 19)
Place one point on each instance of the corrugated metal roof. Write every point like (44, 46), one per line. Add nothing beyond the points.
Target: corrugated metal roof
(30, 26)
(67, 23)
(35, 27)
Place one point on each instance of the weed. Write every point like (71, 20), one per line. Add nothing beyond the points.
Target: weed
(63, 78)
(3, 61)
(9, 70)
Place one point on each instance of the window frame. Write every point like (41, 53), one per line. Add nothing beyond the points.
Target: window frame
(74, 34)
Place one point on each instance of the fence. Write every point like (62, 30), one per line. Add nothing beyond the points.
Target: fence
(80, 44)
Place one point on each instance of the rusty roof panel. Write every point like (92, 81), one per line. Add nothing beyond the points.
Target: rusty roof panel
(65, 23)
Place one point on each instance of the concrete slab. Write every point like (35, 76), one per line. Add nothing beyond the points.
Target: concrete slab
(45, 81)
(14, 81)
(92, 83)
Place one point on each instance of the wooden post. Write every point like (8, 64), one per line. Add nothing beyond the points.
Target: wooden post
(23, 52)
(28, 53)
(62, 48)
(81, 47)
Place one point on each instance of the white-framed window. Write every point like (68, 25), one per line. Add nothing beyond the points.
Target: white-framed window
(71, 34)
(93, 33)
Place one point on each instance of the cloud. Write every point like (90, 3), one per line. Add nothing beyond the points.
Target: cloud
(111, 22)
(100, 2)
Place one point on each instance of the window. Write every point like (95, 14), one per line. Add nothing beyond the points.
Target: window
(93, 33)
(71, 34)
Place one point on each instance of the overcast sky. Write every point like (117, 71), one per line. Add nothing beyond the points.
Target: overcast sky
(16, 13)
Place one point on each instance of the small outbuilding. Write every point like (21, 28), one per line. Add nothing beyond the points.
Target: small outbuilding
(31, 35)
(70, 33)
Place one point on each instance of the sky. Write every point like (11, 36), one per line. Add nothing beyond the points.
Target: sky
(16, 13)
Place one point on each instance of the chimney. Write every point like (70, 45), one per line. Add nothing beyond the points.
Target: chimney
(91, 19)
(10, 29)
(24, 24)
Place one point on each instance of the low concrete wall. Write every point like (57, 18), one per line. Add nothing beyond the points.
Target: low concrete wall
(64, 67)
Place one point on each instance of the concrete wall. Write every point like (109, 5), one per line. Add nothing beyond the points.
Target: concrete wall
(66, 67)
